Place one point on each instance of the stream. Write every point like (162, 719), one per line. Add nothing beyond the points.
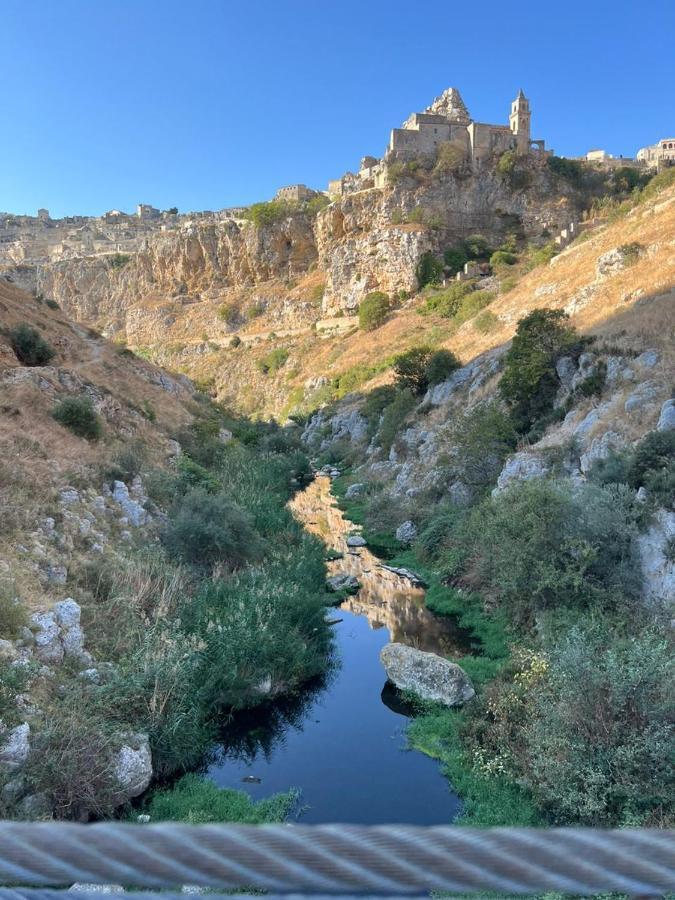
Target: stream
(341, 740)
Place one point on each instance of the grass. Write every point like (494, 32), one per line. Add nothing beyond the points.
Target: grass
(197, 801)
(488, 801)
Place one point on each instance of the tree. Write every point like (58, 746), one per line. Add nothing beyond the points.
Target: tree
(429, 270)
(30, 347)
(373, 310)
(410, 369)
(530, 381)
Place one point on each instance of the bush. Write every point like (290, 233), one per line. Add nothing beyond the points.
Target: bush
(52, 304)
(373, 310)
(455, 258)
(118, 260)
(235, 342)
(486, 322)
(506, 163)
(12, 614)
(650, 464)
(598, 748)
(268, 213)
(477, 247)
(410, 369)
(205, 529)
(198, 802)
(393, 418)
(440, 365)
(273, 361)
(229, 313)
(503, 258)
(30, 347)
(541, 546)
(79, 416)
(429, 270)
(530, 382)
(569, 169)
(71, 762)
(446, 302)
(480, 441)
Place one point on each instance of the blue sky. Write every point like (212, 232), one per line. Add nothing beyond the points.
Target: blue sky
(202, 104)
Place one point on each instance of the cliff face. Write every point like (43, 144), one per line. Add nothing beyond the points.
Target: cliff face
(369, 240)
(192, 263)
(373, 240)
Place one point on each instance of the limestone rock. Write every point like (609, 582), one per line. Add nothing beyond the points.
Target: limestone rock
(133, 765)
(406, 532)
(355, 540)
(15, 746)
(644, 395)
(132, 509)
(429, 676)
(522, 466)
(566, 369)
(337, 583)
(667, 417)
(48, 646)
(600, 448)
(658, 567)
(402, 572)
(354, 490)
(648, 359)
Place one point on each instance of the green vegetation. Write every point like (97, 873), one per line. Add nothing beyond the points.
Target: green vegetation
(450, 158)
(429, 270)
(273, 361)
(12, 614)
(420, 367)
(529, 383)
(199, 802)
(30, 347)
(52, 304)
(79, 416)
(486, 322)
(650, 464)
(269, 212)
(229, 313)
(570, 170)
(503, 258)
(118, 260)
(373, 310)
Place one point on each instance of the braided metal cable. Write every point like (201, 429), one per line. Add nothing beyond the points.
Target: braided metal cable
(339, 859)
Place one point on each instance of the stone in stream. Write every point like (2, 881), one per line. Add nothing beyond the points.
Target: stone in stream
(410, 576)
(337, 583)
(355, 540)
(429, 676)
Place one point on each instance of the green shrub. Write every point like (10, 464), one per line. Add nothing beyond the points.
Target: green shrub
(12, 614)
(79, 416)
(631, 252)
(52, 304)
(273, 361)
(569, 169)
(455, 258)
(375, 403)
(541, 256)
(541, 546)
(446, 302)
(268, 213)
(481, 440)
(650, 464)
(229, 313)
(118, 260)
(486, 322)
(197, 801)
(530, 382)
(506, 163)
(393, 418)
(598, 748)
(235, 342)
(471, 304)
(373, 310)
(503, 258)
(205, 529)
(429, 270)
(410, 369)
(30, 347)
(440, 365)
(477, 247)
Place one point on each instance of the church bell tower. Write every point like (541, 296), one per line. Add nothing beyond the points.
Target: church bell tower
(519, 121)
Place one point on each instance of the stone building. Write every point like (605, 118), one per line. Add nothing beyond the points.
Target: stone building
(43, 215)
(447, 120)
(146, 211)
(658, 156)
(295, 193)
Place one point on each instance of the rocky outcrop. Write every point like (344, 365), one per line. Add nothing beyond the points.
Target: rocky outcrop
(429, 676)
(58, 634)
(667, 417)
(522, 466)
(133, 766)
(656, 554)
(14, 746)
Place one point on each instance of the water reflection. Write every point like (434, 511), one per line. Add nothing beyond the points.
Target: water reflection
(341, 740)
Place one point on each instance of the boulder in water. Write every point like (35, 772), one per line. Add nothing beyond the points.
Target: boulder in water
(343, 582)
(429, 676)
